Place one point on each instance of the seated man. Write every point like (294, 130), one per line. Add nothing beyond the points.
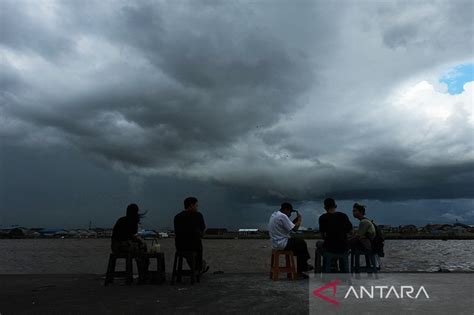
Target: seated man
(189, 227)
(366, 232)
(279, 228)
(126, 240)
(334, 227)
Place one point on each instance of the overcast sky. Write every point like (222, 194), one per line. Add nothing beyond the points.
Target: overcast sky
(243, 104)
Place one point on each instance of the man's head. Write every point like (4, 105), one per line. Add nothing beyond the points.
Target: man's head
(358, 211)
(286, 208)
(132, 211)
(191, 204)
(330, 205)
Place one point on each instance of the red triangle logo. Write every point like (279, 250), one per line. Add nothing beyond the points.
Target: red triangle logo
(333, 285)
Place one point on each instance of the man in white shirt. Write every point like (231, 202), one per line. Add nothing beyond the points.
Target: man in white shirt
(280, 227)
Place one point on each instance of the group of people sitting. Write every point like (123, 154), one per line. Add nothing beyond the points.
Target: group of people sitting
(335, 229)
(189, 227)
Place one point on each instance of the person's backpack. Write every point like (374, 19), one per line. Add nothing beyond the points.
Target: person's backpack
(378, 242)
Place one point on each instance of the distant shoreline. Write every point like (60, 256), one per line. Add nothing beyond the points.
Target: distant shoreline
(244, 237)
(387, 237)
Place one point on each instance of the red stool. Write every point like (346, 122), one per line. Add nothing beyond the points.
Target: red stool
(289, 267)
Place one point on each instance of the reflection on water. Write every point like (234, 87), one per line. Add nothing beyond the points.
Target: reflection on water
(90, 255)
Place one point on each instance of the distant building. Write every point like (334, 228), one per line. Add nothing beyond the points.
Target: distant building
(216, 231)
(61, 233)
(86, 233)
(433, 229)
(465, 226)
(52, 232)
(101, 232)
(439, 229)
(446, 227)
(408, 229)
(163, 235)
(458, 229)
(17, 232)
(247, 231)
(73, 233)
(304, 230)
(33, 234)
(385, 228)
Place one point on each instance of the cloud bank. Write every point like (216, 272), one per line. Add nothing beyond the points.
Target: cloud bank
(279, 100)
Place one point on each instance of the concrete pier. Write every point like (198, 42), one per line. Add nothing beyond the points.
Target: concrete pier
(234, 293)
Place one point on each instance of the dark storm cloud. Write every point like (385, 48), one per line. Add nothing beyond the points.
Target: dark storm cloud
(426, 24)
(25, 28)
(200, 88)
(272, 101)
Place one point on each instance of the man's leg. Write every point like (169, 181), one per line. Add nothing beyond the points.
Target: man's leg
(300, 250)
(318, 256)
(320, 247)
(139, 247)
(198, 261)
(197, 258)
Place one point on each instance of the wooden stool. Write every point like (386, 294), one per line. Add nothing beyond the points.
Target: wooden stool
(289, 268)
(157, 275)
(178, 271)
(370, 261)
(127, 274)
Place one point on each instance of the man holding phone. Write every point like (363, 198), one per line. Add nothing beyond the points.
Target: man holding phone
(280, 227)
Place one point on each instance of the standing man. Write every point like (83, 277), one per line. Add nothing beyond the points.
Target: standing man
(280, 227)
(189, 227)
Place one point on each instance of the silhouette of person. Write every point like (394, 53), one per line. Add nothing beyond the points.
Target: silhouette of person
(126, 240)
(189, 228)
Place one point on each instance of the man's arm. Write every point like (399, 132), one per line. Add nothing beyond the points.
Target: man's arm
(297, 222)
(364, 226)
(202, 224)
(133, 230)
(322, 228)
(286, 223)
(176, 225)
(347, 224)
